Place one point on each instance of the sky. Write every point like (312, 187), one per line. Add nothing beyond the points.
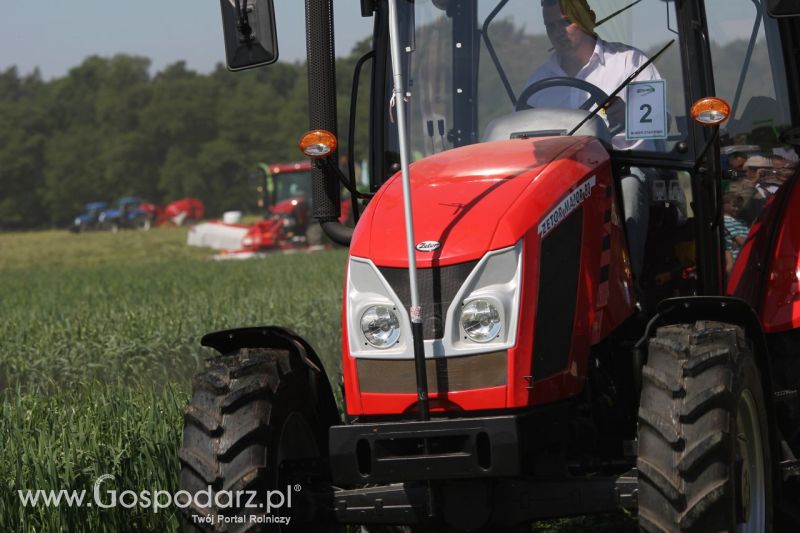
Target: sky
(56, 35)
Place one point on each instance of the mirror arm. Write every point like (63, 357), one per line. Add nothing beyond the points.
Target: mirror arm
(242, 22)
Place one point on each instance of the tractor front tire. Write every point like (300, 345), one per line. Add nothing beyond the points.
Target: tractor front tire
(704, 453)
(249, 411)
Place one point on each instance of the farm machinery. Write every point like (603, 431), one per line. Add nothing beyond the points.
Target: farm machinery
(503, 359)
(178, 213)
(285, 197)
(128, 212)
(131, 212)
(89, 219)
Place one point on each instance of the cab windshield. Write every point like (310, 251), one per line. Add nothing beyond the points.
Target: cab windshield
(292, 185)
(477, 58)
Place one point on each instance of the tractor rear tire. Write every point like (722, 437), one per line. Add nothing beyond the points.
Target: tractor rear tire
(249, 411)
(704, 454)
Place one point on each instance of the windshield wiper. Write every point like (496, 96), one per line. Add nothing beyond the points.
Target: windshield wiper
(622, 86)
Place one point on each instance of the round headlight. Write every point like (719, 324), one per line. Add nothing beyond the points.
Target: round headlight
(380, 326)
(480, 320)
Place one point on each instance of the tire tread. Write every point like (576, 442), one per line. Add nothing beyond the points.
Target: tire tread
(686, 418)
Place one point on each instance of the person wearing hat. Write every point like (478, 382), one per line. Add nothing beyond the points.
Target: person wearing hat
(756, 163)
(757, 170)
(578, 52)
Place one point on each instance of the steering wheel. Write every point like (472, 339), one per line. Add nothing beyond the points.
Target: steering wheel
(596, 94)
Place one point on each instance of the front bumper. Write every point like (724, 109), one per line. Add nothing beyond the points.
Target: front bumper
(391, 452)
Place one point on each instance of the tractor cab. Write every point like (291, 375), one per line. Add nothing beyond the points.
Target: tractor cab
(286, 196)
(556, 302)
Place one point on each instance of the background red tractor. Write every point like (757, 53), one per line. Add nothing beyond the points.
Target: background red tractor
(501, 363)
(285, 197)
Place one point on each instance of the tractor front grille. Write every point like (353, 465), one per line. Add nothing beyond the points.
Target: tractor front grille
(445, 374)
(437, 288)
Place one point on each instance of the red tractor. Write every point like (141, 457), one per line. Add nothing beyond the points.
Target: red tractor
(503, 358)
(285, 197)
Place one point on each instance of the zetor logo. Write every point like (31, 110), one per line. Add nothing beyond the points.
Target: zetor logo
(428, 246)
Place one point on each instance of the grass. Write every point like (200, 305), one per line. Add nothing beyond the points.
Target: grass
(100, 340)
(69, 439)
(56, 250)
(140, 316)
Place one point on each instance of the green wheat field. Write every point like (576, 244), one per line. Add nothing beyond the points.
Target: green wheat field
(99, 340)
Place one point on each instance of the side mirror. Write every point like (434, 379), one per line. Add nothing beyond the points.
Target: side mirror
(250, 37)
(783, 8)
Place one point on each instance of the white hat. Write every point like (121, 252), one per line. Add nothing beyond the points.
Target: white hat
(758, 161)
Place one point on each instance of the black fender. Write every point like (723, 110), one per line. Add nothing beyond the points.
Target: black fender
(687, 309)
(730, 310)
(229, 341)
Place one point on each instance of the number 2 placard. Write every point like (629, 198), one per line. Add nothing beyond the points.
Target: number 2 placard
(646, 110)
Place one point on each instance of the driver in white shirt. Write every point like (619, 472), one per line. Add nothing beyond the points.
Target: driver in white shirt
(579, 53)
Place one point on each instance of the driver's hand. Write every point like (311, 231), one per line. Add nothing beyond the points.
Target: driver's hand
(615, 112)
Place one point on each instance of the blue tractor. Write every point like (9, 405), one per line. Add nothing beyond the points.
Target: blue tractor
(127, 213)
(90, 219)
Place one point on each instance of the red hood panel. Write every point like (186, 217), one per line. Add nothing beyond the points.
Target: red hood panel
(461, 199)
(285, 206)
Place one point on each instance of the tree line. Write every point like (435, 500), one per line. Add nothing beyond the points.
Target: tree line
(109, 129)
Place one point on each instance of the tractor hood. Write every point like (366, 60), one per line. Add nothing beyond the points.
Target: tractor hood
(470, 200)
(286, 207)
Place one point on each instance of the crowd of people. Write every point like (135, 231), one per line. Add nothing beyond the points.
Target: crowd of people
(752, 181)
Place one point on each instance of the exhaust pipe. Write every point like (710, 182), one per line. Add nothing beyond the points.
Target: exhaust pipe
(321, 64)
